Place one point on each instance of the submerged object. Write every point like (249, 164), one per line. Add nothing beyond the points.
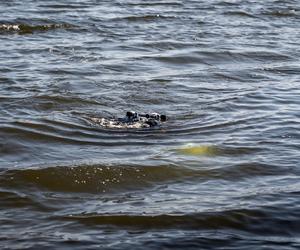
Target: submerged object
(132, 119)
(197, 150)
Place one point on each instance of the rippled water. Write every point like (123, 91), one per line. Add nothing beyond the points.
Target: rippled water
(221, 173)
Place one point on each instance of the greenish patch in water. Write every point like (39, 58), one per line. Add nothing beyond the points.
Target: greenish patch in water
(198, 150)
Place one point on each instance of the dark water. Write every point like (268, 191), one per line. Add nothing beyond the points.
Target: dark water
(222, 173)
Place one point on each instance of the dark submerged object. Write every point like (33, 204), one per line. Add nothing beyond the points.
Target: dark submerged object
(132, 119)
(152, 119)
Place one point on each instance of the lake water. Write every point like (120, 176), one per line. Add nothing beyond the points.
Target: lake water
(222, 173)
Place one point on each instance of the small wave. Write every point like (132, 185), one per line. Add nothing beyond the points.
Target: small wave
(119, 178)
(95, 178)
(227, 3)
(239, 13)
(259, 220)
(212, 57)
(180, 59)
(286, 70)
(156, 3)
(143, 18)
(56, 99)
(281, 13)
(194, 127)
(11, 199)
(167, 44)
(65, 6)
(245, 55)
(72, 132)
(28, 29)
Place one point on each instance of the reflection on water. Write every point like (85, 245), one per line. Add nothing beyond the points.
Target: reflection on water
(221, 172)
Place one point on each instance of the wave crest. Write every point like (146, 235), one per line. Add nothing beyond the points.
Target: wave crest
(28, 29)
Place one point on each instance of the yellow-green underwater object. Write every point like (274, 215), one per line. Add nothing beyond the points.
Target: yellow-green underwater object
(198, 150)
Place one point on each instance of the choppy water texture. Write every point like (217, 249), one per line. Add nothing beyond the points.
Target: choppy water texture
(221, 173)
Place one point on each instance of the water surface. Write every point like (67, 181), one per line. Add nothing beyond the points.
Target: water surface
(221, 173)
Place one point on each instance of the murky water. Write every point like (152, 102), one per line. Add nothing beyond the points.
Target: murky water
(221, 173)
